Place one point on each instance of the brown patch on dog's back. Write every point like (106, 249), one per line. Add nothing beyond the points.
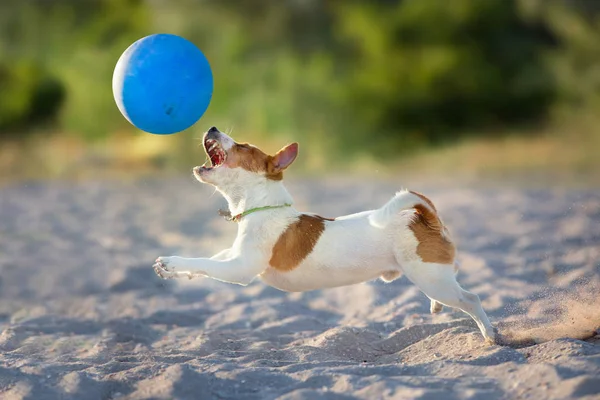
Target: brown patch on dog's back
(297, 242)
(433, 245)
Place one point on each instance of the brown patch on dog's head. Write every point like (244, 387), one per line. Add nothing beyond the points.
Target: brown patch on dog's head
(248, 157)
(434, 246)
(253, 159)
(297, 242)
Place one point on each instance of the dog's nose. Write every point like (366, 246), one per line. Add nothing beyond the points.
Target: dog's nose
(213, 130)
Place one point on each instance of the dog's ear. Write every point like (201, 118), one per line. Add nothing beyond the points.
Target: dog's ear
(284, 157)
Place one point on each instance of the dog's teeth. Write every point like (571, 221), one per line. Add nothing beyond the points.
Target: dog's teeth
(215, 145)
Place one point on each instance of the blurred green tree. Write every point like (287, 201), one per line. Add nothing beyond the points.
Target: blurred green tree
(29, 95)
(382, 75)
(425, 69)
(57, 57)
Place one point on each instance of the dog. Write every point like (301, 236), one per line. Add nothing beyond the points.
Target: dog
(294, 251)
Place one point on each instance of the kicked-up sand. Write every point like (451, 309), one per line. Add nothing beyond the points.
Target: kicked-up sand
(83, 316)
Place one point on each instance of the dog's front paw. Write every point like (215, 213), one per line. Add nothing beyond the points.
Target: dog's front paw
(163, 269)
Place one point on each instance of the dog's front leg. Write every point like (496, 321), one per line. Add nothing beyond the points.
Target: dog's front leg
(219, 267)
(161, 266)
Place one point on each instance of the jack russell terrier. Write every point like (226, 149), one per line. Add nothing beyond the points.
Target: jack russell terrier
(294, 251)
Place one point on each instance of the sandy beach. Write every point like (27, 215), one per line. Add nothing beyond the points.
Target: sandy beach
(83, 316)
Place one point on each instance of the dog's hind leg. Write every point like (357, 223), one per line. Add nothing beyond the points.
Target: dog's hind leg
(439, 283)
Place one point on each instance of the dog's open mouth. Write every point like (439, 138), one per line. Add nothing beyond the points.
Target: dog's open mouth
(216, 154)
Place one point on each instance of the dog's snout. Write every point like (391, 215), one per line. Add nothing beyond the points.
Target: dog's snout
(214, 134)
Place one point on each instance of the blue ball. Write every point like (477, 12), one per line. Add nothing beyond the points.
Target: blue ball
(162, 84)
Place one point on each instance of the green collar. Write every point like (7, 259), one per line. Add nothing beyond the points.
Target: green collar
(238, 217)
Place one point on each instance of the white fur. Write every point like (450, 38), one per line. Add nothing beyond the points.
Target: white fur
(352, 249)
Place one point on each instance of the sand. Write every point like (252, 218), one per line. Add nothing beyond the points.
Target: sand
(83, 316)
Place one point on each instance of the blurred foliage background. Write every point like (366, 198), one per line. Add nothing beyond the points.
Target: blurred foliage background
(480, 85)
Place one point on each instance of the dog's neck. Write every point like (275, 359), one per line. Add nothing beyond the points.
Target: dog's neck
(259, 194)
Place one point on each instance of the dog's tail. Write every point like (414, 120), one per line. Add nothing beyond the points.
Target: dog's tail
(407, 200)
